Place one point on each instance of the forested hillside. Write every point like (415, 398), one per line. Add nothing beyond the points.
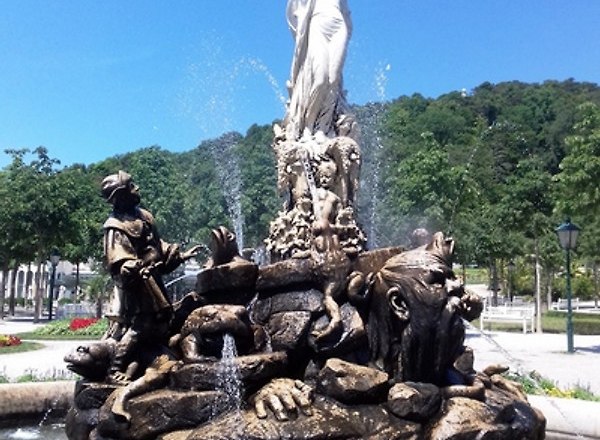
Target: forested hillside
(498, 168)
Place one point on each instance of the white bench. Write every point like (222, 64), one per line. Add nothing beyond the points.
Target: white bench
(561, 304)
(75, 311)
(506, 313)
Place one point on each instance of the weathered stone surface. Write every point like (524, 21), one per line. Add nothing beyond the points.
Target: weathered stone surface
(372, 261)
(253, 370)
(350, 383)
(159, 412)
(330, 420)
(414, 401)
(515, 410)
(309, 300)
(286, 329)
(351, 336)
(465, 419)
(464, 362)
(176, 435)
(283, 274)
(79, 423)
(203, 332)
(218, 282)
(89, 395)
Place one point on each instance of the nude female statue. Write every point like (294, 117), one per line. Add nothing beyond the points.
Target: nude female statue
(321, 29)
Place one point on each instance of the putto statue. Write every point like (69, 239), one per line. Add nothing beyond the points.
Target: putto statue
(327, 341)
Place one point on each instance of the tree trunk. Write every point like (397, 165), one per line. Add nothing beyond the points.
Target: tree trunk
(99, 307)
(549, 279)
(76, 282)
(3, 290)
(38, 302)
(494, 271)
(538, 290)
(596, 275)
(13, 289)
(28, 282)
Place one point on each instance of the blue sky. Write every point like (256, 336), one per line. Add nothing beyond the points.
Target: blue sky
(91, 79)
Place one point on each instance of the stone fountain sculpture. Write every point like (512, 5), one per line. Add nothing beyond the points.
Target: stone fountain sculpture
(329, 341)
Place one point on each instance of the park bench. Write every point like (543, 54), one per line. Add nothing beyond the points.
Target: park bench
(507, 313)
(561, 304)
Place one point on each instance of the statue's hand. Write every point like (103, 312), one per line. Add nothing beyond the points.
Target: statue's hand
(192, 252)
(130, 270)
(283, 396)
(471, 306)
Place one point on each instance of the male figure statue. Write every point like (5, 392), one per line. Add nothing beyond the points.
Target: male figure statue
(136, 258)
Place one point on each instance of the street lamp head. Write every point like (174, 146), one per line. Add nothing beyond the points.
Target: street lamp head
(54, 257)
(567, 235)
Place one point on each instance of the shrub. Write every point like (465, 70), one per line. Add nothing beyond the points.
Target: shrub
(583, 287)
(74, 327)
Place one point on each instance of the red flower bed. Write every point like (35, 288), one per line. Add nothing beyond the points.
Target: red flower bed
(79, 323)
(9, 340)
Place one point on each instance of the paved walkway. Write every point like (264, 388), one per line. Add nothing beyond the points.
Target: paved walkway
(46, 362)
(544, 353)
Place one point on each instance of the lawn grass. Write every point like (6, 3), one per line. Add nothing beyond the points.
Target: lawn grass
(36, 337)
(553, 322)
(22, 347)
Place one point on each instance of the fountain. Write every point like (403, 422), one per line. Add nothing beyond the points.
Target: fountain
(230, 179)
(326, 340)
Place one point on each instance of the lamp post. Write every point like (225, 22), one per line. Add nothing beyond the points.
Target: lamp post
(54, 259)
(511, 270)
(567, 236)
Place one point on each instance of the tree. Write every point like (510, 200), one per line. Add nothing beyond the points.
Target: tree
(424, 189)
(577, 183)
(98, 290)
(579, 174)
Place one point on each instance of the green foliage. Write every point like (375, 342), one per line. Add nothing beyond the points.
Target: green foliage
(583, 287)
(476, 275)
(580, 169)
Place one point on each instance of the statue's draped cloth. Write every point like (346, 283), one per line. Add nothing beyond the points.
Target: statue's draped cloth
(321, 29)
